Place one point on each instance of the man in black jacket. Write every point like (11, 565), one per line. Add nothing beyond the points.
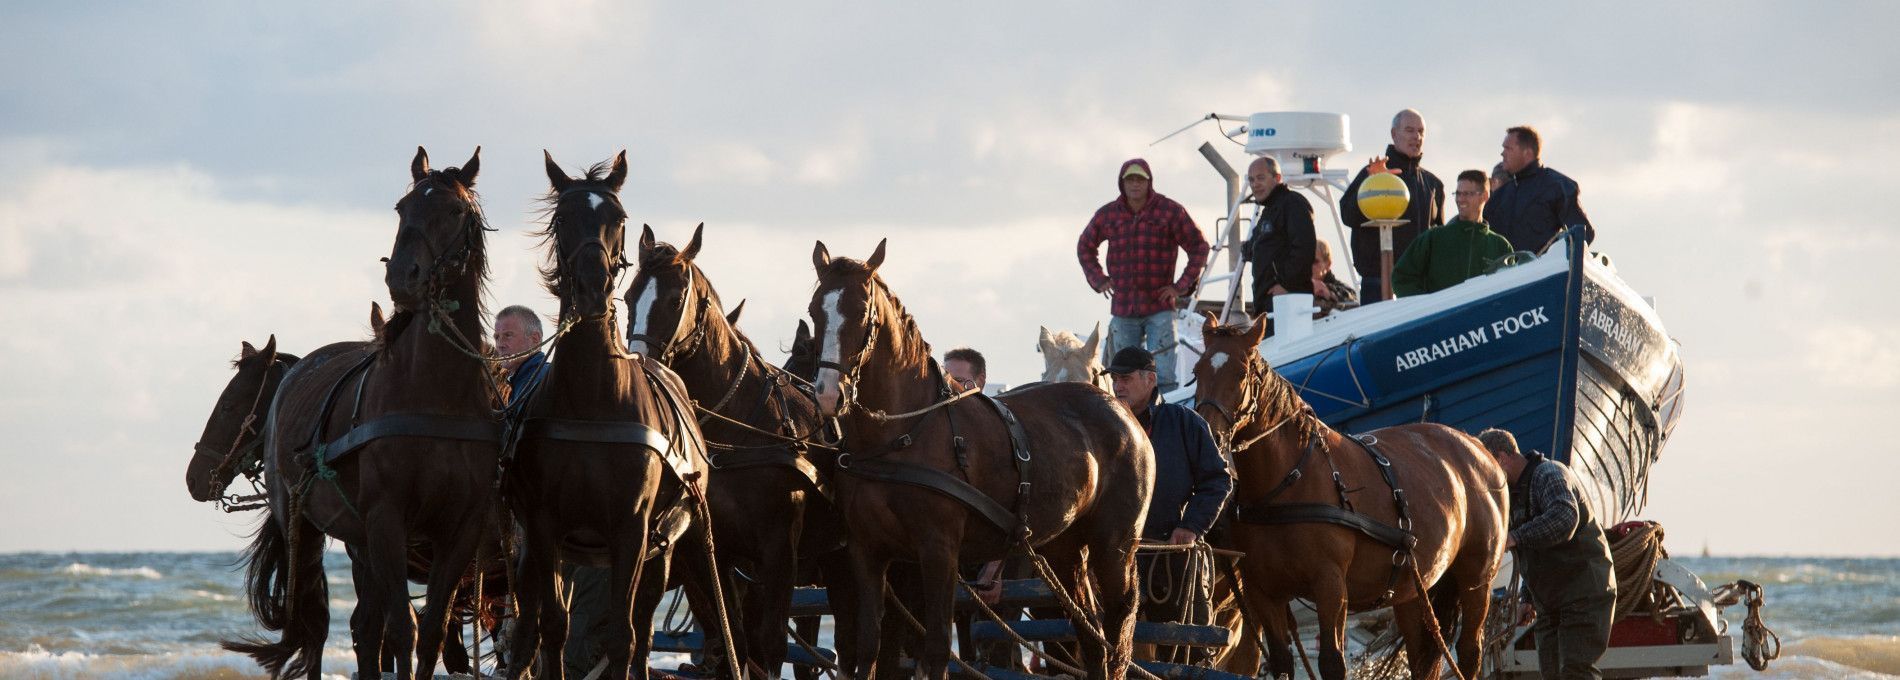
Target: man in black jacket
(1426, 210)
(1192, 480)
(1281, 245)
(1535, 203)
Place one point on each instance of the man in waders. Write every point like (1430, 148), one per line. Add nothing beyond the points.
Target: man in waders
(1564, 559)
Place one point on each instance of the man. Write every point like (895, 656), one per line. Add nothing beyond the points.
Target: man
(1191, 476)
(1426, 210)
(517, 329)
(966, 369)
(1143, 230)
(1282, 243)
(1564, 559)
(1498, 177)
(1445, 256)
(1536, 203)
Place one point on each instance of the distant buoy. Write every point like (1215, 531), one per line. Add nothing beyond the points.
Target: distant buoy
(1383, 196)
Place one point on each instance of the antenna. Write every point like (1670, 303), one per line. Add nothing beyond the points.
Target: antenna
(1203, 119)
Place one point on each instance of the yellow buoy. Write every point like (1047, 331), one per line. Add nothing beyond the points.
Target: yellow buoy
(1383, 196)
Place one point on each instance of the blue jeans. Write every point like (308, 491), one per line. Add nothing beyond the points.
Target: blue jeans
(1157, 330)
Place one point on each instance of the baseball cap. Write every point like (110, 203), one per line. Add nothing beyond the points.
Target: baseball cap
(1135, 170)
(1131, 359)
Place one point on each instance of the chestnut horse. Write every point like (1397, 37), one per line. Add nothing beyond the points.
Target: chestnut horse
(610, 459)
(769, 510)
(1310, 500)
(385, 445)
(1078, 479)
(233, 438)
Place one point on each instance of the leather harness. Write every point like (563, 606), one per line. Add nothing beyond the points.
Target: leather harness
(1399, 538)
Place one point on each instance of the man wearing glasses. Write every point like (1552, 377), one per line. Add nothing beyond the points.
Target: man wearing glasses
(1445, 256)
(966, 369)
(1427, 209)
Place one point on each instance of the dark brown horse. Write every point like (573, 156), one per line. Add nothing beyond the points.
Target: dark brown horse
(610, 458)
(385, 445)
(1298, 486)
(768, 510)
(1080, 491)
(233, 438)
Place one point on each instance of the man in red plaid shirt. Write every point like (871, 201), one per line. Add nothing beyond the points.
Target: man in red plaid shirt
(1143, 229)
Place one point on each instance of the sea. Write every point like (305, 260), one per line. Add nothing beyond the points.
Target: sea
(160, 615)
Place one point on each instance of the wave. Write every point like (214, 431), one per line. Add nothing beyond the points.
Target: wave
(83, 569)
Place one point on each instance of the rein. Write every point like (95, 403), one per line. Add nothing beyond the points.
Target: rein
(241, 457)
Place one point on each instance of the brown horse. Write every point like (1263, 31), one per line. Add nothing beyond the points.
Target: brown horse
(609, 456)
(769, 511)
(385, 445)
(233, 438)
(1310, 501)
(1078, 482)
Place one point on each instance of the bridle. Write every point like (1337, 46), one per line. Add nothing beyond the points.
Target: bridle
(440, 268)
(1250, 409)
(616, 265)
(848, 368)
(674, 344)
(240, 456)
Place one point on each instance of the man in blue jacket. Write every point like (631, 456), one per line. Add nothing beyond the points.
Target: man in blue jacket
(1192, 480)
(1535, 203)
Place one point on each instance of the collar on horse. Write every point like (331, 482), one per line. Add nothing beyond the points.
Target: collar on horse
(1399, 538)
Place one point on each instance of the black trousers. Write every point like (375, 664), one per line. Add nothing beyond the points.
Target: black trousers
(1572, 634)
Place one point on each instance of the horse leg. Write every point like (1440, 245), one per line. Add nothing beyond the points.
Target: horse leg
(388, 553)
(366, 620)
(938, 581)
(773, 595)
(842, 597)
(1330, 597)
(530, 595)
(1277, 624)
(868, 570)
(646, 598)
(450, 562)
(1112, 568)
(1421, 653)
(1474, 609)
(625, 550)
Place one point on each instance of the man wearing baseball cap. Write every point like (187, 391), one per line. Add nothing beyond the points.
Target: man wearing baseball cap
(1143, 230)
(1191, 481)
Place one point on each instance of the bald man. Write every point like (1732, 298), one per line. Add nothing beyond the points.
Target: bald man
(1427, 209)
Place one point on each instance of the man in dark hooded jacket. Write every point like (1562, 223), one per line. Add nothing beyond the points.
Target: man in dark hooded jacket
(1281, 246)
(1426, 210)
(1535, 203)
(1143, 230)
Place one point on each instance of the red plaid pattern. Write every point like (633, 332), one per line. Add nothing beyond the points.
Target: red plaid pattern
(1141, 252)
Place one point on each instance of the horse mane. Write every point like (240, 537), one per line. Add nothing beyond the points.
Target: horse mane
(1065, 340)
(1275, 394)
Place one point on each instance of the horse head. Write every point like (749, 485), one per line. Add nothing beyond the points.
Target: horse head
(845, 319)
(802, 360)
(1228, 377)
(235, 427)
(1066, 358)
(587, 229)
(670, 299)
(439, 237)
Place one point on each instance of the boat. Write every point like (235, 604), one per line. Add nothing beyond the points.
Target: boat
(1554, 347)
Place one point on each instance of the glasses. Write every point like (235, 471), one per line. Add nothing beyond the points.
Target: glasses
(1467, 193)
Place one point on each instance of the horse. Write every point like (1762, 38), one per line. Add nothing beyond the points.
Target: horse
(610, 460)
(768, 501)
(232, 440)
(1412, 516)
(1066, 358)
(1062, 468)
(385, 444)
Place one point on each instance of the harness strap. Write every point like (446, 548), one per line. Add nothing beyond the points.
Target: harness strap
(1019, 452)
(595, 432)
(429, 425)
(885, 470)
(1306, 513)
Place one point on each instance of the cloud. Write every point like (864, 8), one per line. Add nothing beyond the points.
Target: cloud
(1855, 356)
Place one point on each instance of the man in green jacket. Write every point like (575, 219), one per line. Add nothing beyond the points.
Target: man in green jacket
(1445, 256)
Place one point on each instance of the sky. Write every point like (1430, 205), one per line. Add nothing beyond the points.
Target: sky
(178, 177)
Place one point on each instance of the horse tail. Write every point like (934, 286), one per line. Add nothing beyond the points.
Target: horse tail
(288, 592)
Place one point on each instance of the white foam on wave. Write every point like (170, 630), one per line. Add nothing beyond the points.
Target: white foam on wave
(83, 569)
(41, 664)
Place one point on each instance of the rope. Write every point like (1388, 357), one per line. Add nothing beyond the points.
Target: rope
(883, 417)
(1636, 556)
(919, 627)
(1018, 638)
(1759, 644)
(1076, 615)
(828, 666)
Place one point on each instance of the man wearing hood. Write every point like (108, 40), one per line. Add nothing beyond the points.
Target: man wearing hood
(1143, 230)
(1426, 210)
(1535, 203)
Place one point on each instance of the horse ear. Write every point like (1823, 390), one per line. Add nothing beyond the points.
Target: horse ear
(376, 320)
(1044, 340)
(820, 257)
(557, 177)
(270, 348)
(471, 168)
(877, 256)
(619, 174)
(692, 247)
(802, 335)
(247, 351)
(732, 317)
(1258, 331)
(419, 168)
(1095, 336)
(1212, 321)
(646, 238)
